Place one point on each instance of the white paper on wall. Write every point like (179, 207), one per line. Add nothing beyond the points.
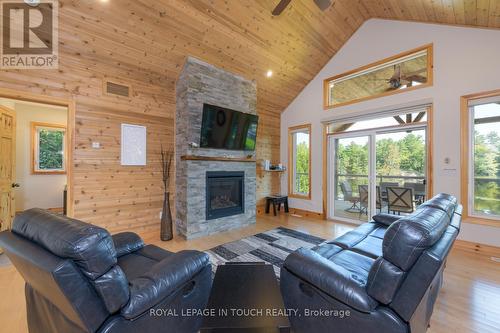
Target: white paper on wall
(133, 145)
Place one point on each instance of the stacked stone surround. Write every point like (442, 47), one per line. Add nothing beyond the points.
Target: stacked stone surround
(201, 83)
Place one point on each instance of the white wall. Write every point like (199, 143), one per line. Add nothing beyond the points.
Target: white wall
(42, 191)
(466, 60)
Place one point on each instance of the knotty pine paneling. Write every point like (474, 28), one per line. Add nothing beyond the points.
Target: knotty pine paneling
(481, 13)
(92, 49)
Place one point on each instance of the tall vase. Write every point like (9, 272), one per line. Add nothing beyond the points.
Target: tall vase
(166, 232)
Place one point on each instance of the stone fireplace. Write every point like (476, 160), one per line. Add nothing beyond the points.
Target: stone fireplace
(215, 188)
(224, 194)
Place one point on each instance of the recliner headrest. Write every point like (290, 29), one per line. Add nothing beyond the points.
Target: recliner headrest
(89, 246)
(443, 201)
(409, 236)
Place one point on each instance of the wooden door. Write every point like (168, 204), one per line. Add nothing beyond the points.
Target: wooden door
(7, 166)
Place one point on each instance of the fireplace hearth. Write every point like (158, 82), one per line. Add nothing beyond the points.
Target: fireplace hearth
(225, 194)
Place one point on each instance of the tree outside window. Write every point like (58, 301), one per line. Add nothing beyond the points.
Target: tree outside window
(486, 155)
(300, 155)
(49, 148)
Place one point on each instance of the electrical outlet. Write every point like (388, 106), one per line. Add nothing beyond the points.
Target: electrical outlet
(495, 259)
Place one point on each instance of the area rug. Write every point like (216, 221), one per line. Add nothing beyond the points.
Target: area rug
(272, 247)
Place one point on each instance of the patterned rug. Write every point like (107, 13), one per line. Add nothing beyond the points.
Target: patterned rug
(272, 247)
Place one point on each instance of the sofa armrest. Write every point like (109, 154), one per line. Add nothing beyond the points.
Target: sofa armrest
(330, 278)
(386, 219)
(162, 280)
(127, 242)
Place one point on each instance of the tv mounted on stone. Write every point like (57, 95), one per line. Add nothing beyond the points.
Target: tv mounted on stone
(223, 128)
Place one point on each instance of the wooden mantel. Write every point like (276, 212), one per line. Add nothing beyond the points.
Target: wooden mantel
(216, 158)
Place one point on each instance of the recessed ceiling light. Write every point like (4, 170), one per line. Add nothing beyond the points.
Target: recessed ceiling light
(104, 1)
(269, 73)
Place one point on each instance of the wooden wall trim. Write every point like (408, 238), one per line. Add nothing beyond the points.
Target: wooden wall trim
(306, 213)
(464, 157)
(70, 131)
(482, 249)
(291, 160)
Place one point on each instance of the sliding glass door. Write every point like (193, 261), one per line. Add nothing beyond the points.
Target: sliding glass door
(401, 164)
(378, 169)
(350, 181)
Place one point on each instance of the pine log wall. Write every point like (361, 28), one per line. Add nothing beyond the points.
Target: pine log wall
(125, 48)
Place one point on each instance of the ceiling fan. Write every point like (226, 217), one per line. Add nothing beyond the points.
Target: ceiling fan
(322, 4)
(399, 78)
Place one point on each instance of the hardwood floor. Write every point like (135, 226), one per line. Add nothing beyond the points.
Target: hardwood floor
(468, 302)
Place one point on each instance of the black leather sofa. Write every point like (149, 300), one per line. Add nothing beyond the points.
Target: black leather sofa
(383, 276)
(79, 278)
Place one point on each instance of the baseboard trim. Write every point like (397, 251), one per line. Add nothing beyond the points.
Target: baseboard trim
(261, 210)
(482, 249)
(306, 213)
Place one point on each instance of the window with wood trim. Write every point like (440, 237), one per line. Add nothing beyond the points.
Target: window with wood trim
(402, 72)
(48, 148)
(481, 157)
(299, 157)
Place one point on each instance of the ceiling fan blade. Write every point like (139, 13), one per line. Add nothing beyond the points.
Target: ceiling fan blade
(280, 7)
(323, 4)
(416, 78)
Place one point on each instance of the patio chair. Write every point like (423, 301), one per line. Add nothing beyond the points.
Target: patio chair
(400, 200)
(346, 189)
(418, 191)
(363, 199)
(384, 185)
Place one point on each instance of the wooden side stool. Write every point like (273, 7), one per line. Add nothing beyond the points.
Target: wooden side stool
(276, 200)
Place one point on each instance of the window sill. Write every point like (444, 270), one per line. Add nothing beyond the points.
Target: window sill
(482, 221)
(48, 173)
(299, 196)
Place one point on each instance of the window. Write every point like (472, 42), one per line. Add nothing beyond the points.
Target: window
(372, 159)
(402, 72)
(49, 148)
(379, 122)
(299, 144)
(481, 157)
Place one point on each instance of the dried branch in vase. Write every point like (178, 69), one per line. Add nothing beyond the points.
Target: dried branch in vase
(166, 230)
(166, 165)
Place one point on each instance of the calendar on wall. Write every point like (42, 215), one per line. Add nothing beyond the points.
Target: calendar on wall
(133, 145)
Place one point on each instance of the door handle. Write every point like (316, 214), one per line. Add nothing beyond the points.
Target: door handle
(14, 185)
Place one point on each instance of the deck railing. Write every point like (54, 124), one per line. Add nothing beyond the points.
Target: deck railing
(298, 177)
(356, 180)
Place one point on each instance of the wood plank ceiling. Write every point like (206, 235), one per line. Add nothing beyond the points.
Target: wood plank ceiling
(144, 43)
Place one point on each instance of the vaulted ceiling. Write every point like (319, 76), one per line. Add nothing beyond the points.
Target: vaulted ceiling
(153, 38)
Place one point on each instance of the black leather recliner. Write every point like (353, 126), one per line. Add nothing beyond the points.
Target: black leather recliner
(383, 276)
(79, 278)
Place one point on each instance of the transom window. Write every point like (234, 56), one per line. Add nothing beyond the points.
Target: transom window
(299, 184)
(402, 72)
(48, 148)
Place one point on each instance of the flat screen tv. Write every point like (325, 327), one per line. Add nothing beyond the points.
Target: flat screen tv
(223, 128)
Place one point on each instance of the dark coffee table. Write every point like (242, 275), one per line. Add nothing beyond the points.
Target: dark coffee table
(246, 298)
